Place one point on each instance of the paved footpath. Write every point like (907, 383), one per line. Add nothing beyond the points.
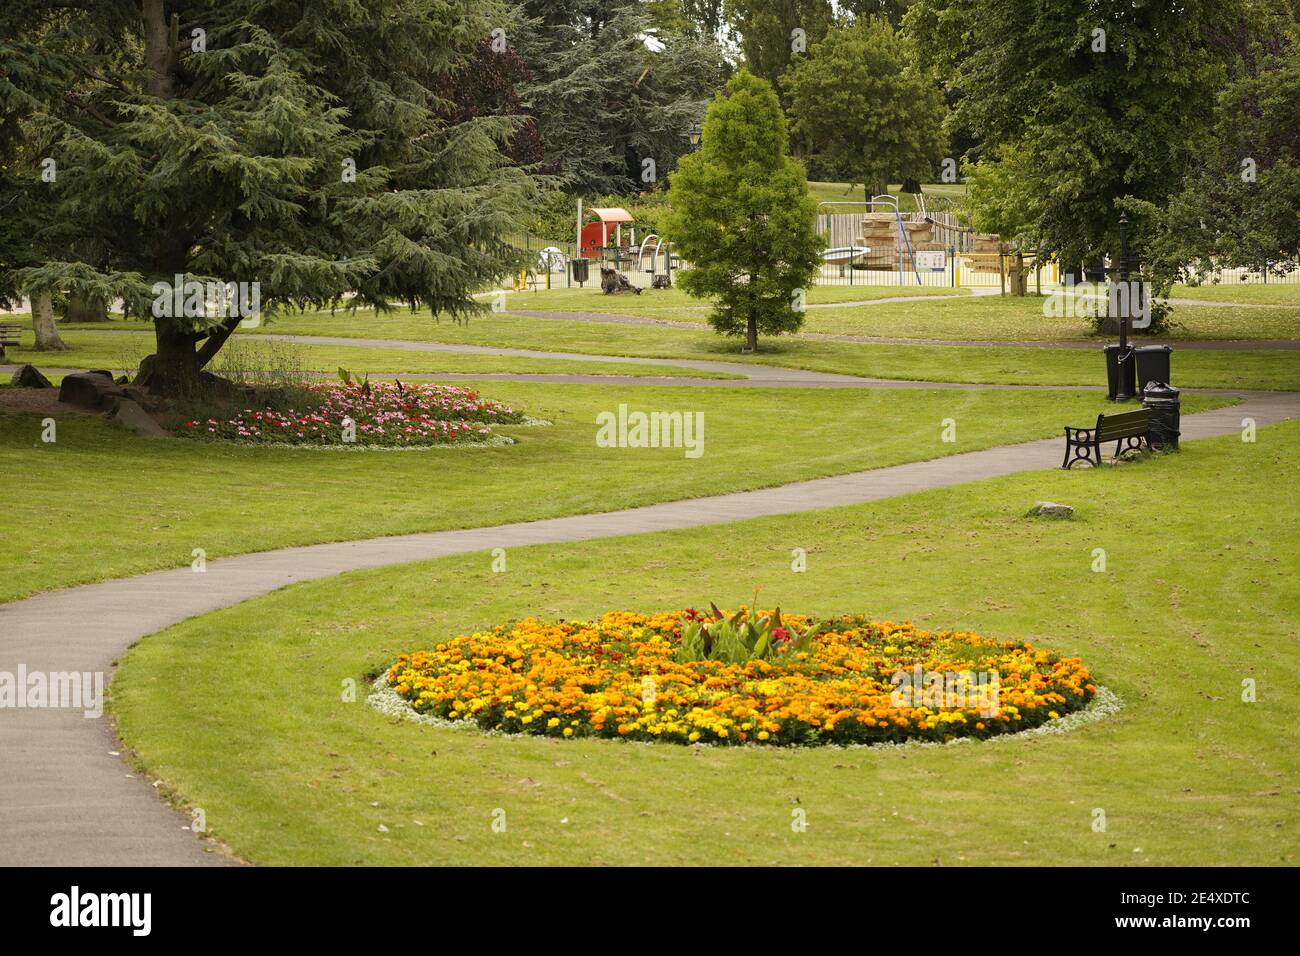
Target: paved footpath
(1231, 345)
(608, 318)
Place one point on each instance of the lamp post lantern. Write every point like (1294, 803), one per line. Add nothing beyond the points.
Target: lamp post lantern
(695, 135)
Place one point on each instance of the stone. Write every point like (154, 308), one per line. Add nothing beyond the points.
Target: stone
(1050, 509)
(89, 390)
(143, 397)
(138, 420)
(29, 376)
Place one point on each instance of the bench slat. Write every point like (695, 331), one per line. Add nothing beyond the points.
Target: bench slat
(1124, 425)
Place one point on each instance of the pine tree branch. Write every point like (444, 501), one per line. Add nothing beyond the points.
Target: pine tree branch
(89, 109)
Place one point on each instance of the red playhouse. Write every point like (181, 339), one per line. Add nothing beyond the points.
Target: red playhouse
(594, 239)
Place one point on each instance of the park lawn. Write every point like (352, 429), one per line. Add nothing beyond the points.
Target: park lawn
(1277, 369)
(113, 504)
(124, 347)
(1266, 293)
(675, 305)
(948, 316)
(1259, 369)
(844, 192)
(1014, 319)
(240, 712)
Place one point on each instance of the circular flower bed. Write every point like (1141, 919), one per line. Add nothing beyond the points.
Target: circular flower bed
(383, 414)
(845, 681)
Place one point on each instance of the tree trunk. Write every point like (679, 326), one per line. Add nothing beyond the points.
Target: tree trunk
(159, 49)
(176, 368)
(86, 310)
(751, 335)
(47, 334)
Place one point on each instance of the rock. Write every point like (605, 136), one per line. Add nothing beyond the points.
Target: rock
(29, 376)
(143, 397)
(101, 371)
(122, 380)
(89, 390)
(138, 420)
(1050, 509)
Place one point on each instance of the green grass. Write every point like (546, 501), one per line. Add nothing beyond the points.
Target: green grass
(967, 318)
(1013, 319)
(676, 305)
(121, 350)
(1269, 293)
(231, 499)
(1264, 369)
(843, 192)
(239, 712)
(954, 317)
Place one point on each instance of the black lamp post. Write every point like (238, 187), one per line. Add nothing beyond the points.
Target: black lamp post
(1122, 394)
(695, 134)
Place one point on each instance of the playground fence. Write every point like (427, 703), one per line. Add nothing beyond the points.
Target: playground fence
(1275, 272)
(850, 263)
(925, 268)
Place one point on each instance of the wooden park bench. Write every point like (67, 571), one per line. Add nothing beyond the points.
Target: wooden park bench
(9, 335)
(1128, 430)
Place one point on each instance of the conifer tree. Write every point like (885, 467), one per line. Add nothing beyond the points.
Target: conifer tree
(297, 144)
(743, 217)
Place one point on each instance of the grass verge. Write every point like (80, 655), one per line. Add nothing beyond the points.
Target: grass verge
(240, 710)
(112, 504)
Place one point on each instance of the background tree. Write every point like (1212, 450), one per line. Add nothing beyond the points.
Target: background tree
(1103, 99)
(604, 100)
(487, 84)
(212, 140)
(869, 116)
(891, 10)
(1240, 203)
(939, 34)
(708, 16)
(766, 29)
(743, 217)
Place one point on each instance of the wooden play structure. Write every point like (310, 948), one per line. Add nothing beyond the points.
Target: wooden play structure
(885, 240)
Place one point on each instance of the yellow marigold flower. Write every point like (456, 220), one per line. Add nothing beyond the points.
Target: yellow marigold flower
(577, 674)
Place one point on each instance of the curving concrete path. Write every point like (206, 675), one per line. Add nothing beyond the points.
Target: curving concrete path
(609, 318)
(68, 798)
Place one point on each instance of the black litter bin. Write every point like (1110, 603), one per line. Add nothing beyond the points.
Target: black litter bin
(1152, 365)
(1166, 410)
(579, 267)
(1120, 377)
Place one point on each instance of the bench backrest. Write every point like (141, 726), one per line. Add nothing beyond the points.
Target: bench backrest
(1123, 425)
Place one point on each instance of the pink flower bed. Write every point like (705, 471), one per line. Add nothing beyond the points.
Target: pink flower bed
(389, 416)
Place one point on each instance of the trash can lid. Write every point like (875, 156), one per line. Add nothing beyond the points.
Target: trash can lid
(1154, 348)
(1160, 390)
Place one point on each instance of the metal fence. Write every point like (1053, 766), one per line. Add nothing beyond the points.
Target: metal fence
(928, 268)
(849, 261)
(1274, 272)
